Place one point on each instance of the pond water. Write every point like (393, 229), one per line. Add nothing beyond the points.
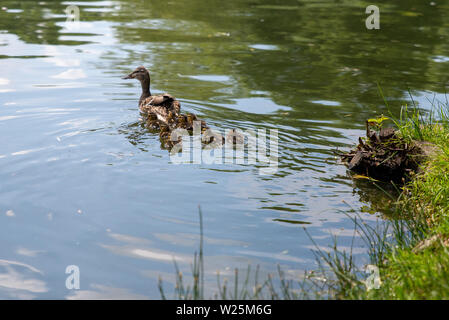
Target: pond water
(83, 183)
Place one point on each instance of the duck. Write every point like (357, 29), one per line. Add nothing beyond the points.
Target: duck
(164, 106)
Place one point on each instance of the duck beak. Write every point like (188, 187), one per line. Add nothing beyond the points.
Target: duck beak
(129, 76)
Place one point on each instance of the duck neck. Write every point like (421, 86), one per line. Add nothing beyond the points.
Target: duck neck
(145, 89)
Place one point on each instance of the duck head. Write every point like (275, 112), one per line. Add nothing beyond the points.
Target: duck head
(143, 76)
(140, 74)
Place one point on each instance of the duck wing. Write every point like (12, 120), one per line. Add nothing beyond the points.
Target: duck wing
(161, 99)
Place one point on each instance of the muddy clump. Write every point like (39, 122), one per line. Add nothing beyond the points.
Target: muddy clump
(383, 155)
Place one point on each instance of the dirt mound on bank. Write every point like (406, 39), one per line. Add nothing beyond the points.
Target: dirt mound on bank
(385, 156)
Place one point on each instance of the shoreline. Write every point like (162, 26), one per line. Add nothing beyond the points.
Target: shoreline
(414, 265)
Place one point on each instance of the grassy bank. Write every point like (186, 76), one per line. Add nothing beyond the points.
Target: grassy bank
(416, 264)
(413, 263)
(410, 251)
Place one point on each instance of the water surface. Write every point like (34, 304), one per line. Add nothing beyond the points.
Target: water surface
(84, 183)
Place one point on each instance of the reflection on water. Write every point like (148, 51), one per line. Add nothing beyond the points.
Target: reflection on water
(84, 183)
(20, 281)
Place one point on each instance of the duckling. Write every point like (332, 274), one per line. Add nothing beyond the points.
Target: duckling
(172, 119)
(181, 121)
(235, 137)
(164, 134)
(161, 105)
(204, 126)
(152, 122)
(189, 121)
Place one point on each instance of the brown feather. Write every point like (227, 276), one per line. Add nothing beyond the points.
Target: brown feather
(165, 106)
